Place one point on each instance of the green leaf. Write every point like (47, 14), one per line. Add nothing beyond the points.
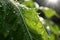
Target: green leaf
(49, 12)
(19, 23)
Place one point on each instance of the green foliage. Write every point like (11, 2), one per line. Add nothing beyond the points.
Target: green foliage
(49, 12)
(19, 23)
(54, 28)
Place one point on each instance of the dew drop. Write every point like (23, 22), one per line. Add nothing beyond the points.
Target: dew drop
(11, 38)
(14, 12)
(3, 17)
(48, 27)
(42, 20)
(6, 14)
(46, 8)
(36, 5)
(27, 8)
(26, 0)
(7, 31)
(5, 4)
(39, 13)
(59, 31)
(0, 5)
(41, 7)
(17, 3)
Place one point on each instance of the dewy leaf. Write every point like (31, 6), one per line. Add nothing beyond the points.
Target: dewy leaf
(32, 23)
(19, 23)
(49, 12)
(54, 27)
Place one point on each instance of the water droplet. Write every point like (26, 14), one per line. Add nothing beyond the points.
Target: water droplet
(25, 33)
(0, 5)
(34, 23)
(42, 20)
(36, 5)
(7, 14)
(39, 13)
(17, 3)
(7, 31)
(4, 10)
(26, 0)
(4, 17)
(59, 31)
(22, 5)
(41, 7)
(48, 27)
(11, 38)
(46, 8)
(14, 8)
(26, 7)
(14, 29)
(14, 12)
(5, 4)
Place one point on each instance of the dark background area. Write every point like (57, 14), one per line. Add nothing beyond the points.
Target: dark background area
(55, 7)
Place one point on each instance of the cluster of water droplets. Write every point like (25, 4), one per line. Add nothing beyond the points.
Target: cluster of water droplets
(43, 21)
